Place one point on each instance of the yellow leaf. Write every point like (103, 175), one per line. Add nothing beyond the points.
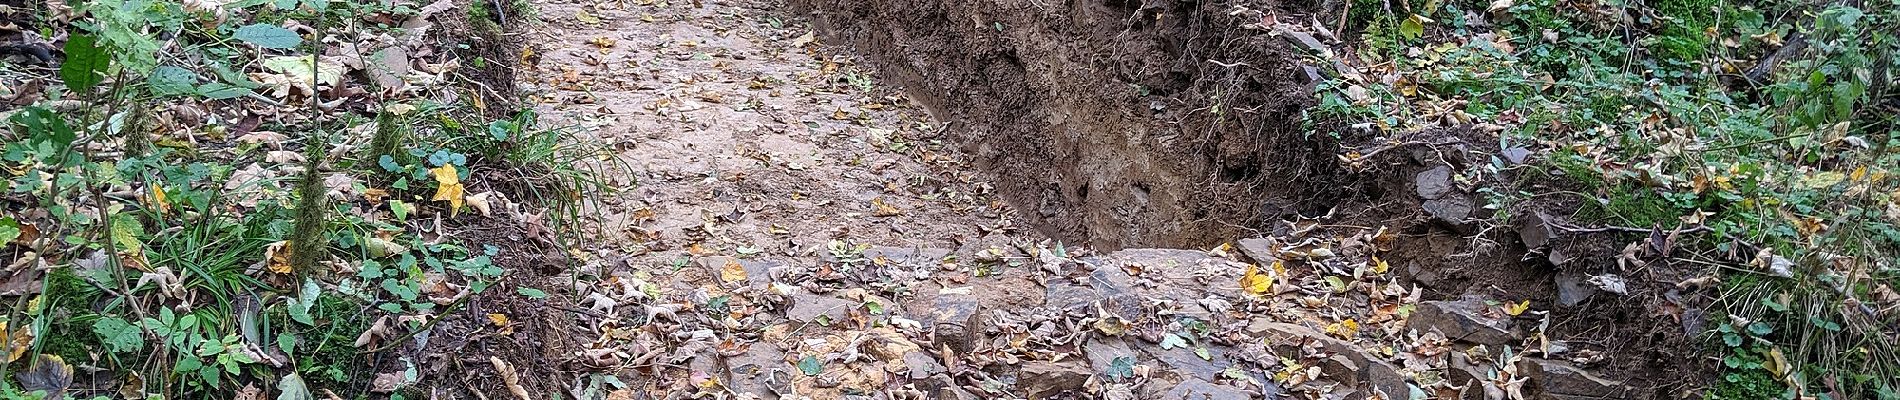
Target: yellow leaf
(158, 199)
(15, 343)
(277, 257)
(1379, 266)
(732, 271)
(1256, 282)
(448, 187)
(1517, 309)
(498, 319)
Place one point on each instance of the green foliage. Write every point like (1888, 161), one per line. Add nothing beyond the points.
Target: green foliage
(1649, 124)
(85, 65)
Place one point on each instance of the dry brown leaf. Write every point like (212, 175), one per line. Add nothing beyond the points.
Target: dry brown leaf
(509, 378)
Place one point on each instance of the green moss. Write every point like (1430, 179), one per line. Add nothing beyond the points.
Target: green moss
(69, 299)
(1683, 37)
(327, 354)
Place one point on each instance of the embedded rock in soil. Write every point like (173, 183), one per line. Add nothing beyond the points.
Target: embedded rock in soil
(1475, 377)
(1442, 198)
(1559, 380)
(1258, 249)
(749, 371)
(1572, 290)
(1355, 369)
(1196, 389)
(1466, 320)
(957, 322)
(808, 307)
(1040, 379)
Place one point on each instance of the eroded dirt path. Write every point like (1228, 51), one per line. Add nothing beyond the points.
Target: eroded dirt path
(786, 228)
(738, 134)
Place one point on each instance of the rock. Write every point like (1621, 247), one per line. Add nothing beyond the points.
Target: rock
(1571, 289)
(1476, 378)
(808, 307)
(1517, 155)
(1535, 230)
(1463, 320)
(1453, 209)
(1062, 295)
(1196, 389)
(1562, 381)
(1043, 379)
(883, 255)
(1356, 368)
(1442, 199)
(1188, 363)
(921, 365)
(1102, 352)
(944, 387)
(957, 321)
(1304, 40)
(748, 372)
(1434, 183)
(1258, 249)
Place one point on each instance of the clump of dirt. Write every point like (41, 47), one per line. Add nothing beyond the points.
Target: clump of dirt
(1112, 123)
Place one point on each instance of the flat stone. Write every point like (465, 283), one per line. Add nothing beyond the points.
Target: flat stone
(1356, 368)
(921, 365)
(1196, 389)
(1475, 377)
(1572, 290)
(1535, 230)
(1452, 209)
(808, 307)
(1559, 379)
(749, 371)
(957, 321)
(1188, 363)
(1308, 41)
(1102, 352)
(1041, 379)
(1062, 295)
(1434, 183)
(1258, 249)
(1463, 320)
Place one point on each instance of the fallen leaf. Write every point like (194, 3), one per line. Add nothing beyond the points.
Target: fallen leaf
(879, 208)
(805, 39)
(509, 378)
(448, 187)
(1517, 309)
(732, 271)
(1256, 282)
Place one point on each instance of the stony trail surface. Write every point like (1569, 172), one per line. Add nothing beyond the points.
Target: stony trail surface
(785, 228)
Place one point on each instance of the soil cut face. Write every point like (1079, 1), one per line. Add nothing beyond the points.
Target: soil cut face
(1112, 123)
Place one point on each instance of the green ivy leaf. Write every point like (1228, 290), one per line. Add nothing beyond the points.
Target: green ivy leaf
(268, 36)
(119, 335)
(1122, 367)
(531, 293)
(1732, 340)
(1412, 28)
(221, 91)
(300, 307)
(171, 81)
(9, 230)
(86, 63)
(1760, 329)
(809, 365)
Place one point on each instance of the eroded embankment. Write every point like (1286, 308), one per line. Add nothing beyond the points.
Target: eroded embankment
(1180, 124)
(1110, 123)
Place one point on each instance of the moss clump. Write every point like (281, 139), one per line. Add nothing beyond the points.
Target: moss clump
(327, 353)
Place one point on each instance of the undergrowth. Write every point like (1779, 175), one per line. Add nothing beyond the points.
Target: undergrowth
(1672, 115)
(259, 247)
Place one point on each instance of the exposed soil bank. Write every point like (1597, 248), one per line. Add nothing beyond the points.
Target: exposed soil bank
(1176, 124)
(1112, 123)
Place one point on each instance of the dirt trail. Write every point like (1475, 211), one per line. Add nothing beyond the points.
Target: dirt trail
(736, 134)
(789, 229)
